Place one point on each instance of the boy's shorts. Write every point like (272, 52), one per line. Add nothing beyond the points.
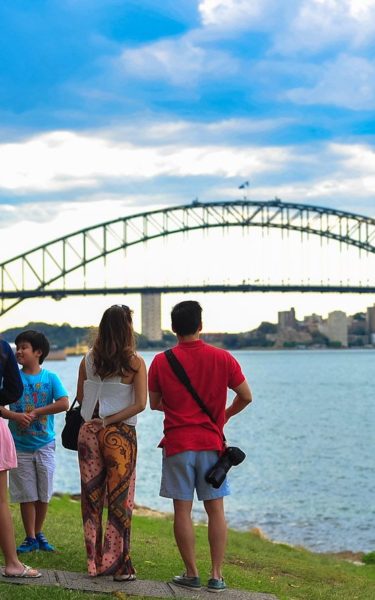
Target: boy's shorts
(33, 479)
(184, 472)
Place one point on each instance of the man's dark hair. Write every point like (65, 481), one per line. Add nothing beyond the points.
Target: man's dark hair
(37, 340)
(186, 317)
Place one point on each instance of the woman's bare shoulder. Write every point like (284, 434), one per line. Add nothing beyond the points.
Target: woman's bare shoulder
(136, 361)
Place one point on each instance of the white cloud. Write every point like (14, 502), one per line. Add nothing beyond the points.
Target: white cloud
(64, 160)
(180, 62)
(356, 158)
(348, 81)
(235, 13)
(150, 174)
(320, 24)
(166, 132)
(296, 25)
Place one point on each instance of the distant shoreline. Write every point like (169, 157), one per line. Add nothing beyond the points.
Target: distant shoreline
(269, 349)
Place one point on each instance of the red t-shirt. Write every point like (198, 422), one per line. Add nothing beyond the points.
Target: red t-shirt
(211, 371)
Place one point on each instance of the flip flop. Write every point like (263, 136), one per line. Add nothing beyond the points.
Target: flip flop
(28, 572)
(125, 577)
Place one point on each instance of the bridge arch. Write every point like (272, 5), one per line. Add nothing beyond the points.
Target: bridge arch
(33, 273)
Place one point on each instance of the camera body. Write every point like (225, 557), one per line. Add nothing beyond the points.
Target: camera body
(231, 457)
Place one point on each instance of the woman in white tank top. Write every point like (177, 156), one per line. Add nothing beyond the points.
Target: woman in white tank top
(112, 390)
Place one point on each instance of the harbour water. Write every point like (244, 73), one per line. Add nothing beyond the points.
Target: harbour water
(308, 478)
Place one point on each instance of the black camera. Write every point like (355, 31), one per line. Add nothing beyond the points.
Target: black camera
(231, 457)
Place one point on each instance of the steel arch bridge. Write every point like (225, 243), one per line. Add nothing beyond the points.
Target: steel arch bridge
(38, 272)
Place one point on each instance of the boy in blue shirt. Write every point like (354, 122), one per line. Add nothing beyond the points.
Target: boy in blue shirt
(31, 422)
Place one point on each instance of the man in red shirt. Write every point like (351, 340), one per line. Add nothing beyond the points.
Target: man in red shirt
(192, 442)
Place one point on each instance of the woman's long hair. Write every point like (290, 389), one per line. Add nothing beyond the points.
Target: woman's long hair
(114, 346)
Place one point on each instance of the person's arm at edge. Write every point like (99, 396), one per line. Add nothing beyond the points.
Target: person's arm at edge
(12, 388)
(140, 393)
(22, 418)
(12, 391)
(242, 398)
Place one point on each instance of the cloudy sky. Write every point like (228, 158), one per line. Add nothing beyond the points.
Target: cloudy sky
(109, 107)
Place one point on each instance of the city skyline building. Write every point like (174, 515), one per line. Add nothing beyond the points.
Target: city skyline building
(286, 318)
(371, 323)
(313, 322)
(337, 327)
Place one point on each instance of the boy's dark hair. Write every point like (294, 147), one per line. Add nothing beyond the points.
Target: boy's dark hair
(186, 317)
(37, 339)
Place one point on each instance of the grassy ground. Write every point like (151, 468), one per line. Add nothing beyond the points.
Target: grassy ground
(251, 563)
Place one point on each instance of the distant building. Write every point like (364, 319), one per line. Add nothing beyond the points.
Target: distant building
(286, 319)
(313, 323)
(371, 319)
(337, 327)
(151, 317)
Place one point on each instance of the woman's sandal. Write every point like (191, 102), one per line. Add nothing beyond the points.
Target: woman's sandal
(125, 577)
(28, 572)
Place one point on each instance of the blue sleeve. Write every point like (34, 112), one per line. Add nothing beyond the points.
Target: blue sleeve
(12, 386)
(58, 390)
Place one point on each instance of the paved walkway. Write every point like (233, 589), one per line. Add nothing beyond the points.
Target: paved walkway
(156, 589)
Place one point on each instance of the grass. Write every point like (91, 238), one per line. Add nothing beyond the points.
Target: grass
(251, 563)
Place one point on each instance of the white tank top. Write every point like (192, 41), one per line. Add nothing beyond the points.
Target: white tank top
(112, 395)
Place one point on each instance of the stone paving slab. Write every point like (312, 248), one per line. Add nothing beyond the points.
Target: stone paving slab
(141, 587)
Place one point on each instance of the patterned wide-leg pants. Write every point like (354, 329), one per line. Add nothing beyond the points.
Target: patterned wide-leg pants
(107, 459)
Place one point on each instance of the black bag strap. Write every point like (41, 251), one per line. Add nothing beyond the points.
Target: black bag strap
(181, 374)
(72, 406)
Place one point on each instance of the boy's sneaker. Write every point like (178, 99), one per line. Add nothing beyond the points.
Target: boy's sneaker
(43, 543)
(29, 544)
(216, 585)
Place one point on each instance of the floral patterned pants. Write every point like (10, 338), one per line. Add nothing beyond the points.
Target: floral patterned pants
(107, 458)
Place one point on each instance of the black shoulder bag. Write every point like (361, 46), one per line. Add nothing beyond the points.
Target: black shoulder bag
(232, 455)
(73, 422)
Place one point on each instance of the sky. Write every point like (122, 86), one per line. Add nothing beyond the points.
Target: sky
(113, 107)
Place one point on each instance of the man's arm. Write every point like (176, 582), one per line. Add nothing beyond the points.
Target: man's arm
(156, 401)
(240, 401)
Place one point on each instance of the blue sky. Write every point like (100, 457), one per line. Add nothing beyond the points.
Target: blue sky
(109, 107)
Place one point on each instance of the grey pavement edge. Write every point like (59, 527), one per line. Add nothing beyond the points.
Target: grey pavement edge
(156, 589)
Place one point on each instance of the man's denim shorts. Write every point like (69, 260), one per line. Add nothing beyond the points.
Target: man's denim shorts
(184, 472)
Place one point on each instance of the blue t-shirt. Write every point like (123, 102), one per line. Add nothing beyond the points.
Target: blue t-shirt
(38, 390)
